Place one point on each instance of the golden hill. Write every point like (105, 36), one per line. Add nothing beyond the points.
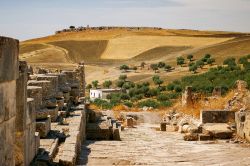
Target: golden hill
(110, 48)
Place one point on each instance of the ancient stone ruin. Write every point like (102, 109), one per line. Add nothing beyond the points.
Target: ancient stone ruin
(42, 114)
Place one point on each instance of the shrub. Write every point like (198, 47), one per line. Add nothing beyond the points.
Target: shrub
(154, 67)
(166, 103)
(120, 83)
(177, 88)
(95, 83)
(148, 103)
(180, 61)
(128, 104)
(162, 97)
(152, 92)
(125, 96)
(190, 57)
(161, 64)
(168, 68)
(124, 67)
(230, 62)
(107, 84)
(123, 77)
(170, 87)
(210, 61)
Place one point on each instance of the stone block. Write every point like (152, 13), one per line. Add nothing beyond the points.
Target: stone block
(43, 127)
(61, 78)
(7, 100)
(37, 142)
(47, 88)
(21, 97)
(242, 120)
(204, 137)
(70, 76)
(31, 112)
(163, 126)
(116, 135)
(217, 116)
(35, 92)
(53, 80)
(9, 50)
(190, 137)
(9, 142)
(60, 103)
(217, 130)
(44, 113)
(130, 122)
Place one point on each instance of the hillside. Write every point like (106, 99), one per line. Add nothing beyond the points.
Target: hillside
(104, 50)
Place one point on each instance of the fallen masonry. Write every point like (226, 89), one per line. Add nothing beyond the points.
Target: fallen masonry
(213, 124)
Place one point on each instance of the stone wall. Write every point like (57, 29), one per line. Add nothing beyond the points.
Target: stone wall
(217, 116)
(242, 120)
(8, 76)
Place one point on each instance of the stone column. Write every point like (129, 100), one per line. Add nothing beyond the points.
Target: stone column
(21, 107)
(187, 99)
(81, 77)
(8, 74)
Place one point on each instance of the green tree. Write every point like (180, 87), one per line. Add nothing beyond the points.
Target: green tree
(95, 83)
(180, 61)
(161, 64)
(154, 67)
(193, 68)
(190, 57)
(230, 62)
(107, 84)
(157, 80)
(177, 88)
(210, 61)
(125, 68)
(207, 56)
(123, 77)
(120, 83)
(89, 86)
(125, 96)
(200, 64)
(143, 64)
(243, 60)
(168, 68)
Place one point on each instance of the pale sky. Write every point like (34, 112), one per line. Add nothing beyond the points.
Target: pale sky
(26, 19)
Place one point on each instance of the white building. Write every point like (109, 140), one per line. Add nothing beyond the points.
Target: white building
(101, 93)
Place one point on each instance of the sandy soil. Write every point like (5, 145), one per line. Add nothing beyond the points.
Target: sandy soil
(146, 146)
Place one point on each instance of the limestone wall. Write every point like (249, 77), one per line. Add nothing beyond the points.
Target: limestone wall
(8, 76)
(242, 120)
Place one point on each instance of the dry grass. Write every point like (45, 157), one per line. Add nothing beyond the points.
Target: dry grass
(131, 46)
(25, 48)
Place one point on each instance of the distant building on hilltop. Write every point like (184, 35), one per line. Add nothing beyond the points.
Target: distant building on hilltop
(101, 93)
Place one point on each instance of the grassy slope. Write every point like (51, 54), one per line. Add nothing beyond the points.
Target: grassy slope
(89, 51)
(25, 48)
(158, 52)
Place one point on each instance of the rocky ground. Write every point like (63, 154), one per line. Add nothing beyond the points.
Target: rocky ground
(144, 145)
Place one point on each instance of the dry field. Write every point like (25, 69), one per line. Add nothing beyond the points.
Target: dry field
(104, 51)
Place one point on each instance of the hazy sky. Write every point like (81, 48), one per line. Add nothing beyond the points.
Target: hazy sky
(25, 19)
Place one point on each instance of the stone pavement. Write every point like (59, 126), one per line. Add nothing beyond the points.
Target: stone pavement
(144, 145)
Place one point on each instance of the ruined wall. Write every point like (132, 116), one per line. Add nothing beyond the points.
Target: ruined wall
(8, 75)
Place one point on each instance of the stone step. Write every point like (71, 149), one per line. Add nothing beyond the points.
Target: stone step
(43, 126)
